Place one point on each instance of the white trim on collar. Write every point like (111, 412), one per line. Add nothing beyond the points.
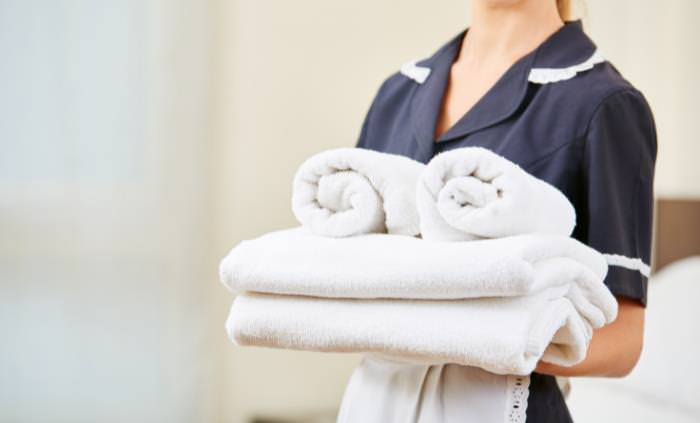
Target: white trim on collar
(549, 75)
(416, 73)
(536, 75)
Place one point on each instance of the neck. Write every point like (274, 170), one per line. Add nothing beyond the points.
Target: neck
(508, 31)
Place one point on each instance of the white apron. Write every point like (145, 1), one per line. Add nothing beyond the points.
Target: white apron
(383, 390)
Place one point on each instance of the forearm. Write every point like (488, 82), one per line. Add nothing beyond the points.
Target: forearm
(614, 349)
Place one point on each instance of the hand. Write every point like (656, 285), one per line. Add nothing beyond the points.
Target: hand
(614, 349)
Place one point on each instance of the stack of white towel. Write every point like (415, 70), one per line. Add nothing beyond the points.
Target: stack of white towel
(370, 270)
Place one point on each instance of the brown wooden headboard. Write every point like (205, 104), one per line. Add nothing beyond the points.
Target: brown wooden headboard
(677, 231)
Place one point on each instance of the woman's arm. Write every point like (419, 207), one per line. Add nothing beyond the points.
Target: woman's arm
(614, 349)
(619, 155)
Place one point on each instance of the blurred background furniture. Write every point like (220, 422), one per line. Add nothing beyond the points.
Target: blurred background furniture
(316, 417)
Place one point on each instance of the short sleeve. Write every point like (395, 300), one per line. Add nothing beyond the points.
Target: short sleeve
(618, 173)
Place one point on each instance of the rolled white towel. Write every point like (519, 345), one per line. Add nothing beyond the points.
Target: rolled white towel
(500, 335)
(350, 191)
(296, 262)
(471, 193)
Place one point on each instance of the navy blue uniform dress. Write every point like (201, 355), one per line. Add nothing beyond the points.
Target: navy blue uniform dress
(565, 115)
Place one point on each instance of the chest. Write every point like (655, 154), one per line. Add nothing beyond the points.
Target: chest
(542, 137)
(466, 85)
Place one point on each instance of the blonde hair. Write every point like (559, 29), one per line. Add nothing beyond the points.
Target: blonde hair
(564, 8)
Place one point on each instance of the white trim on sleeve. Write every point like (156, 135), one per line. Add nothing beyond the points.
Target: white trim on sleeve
(628, 263)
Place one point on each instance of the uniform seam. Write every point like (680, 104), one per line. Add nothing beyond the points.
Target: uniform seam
(598, 107)
(586, 131)
(586, 140)
(551, 153)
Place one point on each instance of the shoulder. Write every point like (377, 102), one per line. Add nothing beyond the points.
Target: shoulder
(619, 111)
(601, 95)
(399, 85)
(407, 77)
(389, 104)
(619, 130)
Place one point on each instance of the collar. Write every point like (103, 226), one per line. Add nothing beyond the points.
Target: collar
(561, 56)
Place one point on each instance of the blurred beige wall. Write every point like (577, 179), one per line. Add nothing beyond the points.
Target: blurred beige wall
(297, 77)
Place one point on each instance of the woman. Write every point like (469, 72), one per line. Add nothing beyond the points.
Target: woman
(527, 83)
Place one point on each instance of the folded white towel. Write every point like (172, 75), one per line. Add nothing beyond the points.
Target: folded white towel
(350, 191)
(296, 262)
(500, 335)
(495, 304)
(471, 193)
